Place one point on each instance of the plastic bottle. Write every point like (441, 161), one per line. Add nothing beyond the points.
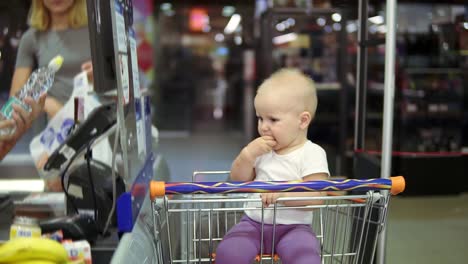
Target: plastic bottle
(38, 83)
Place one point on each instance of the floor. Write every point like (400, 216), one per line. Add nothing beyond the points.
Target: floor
(430, 229)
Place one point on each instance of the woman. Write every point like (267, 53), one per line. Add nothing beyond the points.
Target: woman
(57, 27)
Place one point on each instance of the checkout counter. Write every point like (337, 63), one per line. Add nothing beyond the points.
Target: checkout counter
(121, 246)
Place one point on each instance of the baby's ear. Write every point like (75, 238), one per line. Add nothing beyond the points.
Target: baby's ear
(305, 118)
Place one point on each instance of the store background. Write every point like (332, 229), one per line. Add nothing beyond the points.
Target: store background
(185, 56)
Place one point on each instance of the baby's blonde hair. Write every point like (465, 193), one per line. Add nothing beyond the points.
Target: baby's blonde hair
(293, 81)
(40, 17)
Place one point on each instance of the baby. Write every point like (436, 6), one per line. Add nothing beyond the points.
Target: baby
(285, 105)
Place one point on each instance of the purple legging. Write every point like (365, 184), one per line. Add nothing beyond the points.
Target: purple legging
(295, 244)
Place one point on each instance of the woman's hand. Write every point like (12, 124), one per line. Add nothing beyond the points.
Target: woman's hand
(21, 121)
(6, 124)
(6, 141)
(36, 107)
(54, 185)
(23, 118)
(87, 67)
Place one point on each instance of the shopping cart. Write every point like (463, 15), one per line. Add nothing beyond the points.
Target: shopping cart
(347, 226)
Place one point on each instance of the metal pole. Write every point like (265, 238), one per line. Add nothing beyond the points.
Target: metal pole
(389, 94)
(249, 94)
(361, 76)
(343, 94)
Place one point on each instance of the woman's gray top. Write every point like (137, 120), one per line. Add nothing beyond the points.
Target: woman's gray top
(37, 48)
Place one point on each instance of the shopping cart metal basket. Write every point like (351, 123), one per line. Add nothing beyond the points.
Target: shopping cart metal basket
(347, 226)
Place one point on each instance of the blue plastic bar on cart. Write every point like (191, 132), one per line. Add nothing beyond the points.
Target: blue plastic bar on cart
(158, 188)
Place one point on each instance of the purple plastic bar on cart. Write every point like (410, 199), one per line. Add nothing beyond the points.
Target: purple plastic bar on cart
(395, 184)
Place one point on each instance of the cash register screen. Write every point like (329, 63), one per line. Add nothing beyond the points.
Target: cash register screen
(102, 49)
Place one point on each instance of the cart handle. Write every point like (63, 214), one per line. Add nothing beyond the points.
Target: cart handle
(396, 185)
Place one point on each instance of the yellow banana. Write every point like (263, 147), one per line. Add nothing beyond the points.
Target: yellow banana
(32, 248)
(34, 261)
(40, 261)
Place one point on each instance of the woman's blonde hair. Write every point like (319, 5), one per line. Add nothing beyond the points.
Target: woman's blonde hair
(40, 17)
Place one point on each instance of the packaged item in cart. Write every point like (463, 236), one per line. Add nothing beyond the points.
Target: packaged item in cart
(57, 235)
(78, 250)
(25, 227)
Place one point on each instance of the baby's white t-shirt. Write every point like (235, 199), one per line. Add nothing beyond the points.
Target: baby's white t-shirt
(309, 159)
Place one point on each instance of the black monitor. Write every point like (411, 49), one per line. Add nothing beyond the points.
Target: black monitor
(102, 49)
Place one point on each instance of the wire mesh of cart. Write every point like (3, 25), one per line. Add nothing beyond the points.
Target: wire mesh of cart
(346, 225)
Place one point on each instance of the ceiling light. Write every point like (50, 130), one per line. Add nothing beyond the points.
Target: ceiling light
(336, 17)
(351, 27)
(336, 26)
(382, 29)
(284, 38)
(166, 6)
(238, 40)
(228, 11)
(232, 24)
(219, 37)
(321, 21)
(280, 27)
(376, 20)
